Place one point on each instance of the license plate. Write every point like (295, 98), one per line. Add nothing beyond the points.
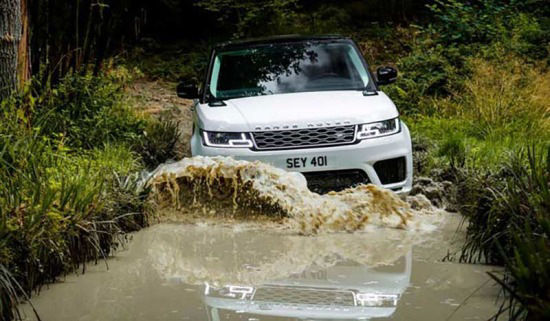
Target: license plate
(306, 162)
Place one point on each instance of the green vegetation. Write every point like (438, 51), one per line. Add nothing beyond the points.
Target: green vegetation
(474, 89)
(159, 143)
(70, 156)
(514, 230)
(84, 111)
(170, 63)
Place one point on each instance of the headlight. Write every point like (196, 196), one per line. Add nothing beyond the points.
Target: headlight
(227, 140)
(379, 129)
(377, 299)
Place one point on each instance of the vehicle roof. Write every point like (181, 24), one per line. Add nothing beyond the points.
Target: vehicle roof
(277, 39)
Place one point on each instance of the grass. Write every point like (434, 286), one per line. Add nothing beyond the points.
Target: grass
(9, 292)
(503, 107)
(70, 157)
(479, 112)
(514, 201)
(502, 96)
(491, 138)
(517, 226)
(159, 142)
(527, 280)
(172, 63)
(56, 210)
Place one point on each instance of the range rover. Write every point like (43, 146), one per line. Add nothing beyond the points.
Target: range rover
(305, 104)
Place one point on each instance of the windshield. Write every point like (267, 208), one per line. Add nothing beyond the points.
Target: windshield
(287, 68)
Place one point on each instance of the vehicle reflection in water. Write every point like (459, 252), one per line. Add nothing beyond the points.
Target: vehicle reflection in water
(276, 275)
(345, 291)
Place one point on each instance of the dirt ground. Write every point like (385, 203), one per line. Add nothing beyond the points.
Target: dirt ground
(159, 99)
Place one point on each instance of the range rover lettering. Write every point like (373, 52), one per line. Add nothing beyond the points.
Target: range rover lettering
(305, 104)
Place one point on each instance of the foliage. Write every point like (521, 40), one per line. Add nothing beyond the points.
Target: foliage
(69, 35)
(172, 63)
(251, 16)
(465, 39)
(503, 106)
(84, 111)
(65, 197)
(159, 143)
(503, 190)
(474, 24)
(383, 45)
(459, 22)
(475, 86)
(424, 73)
(528, 279)
(454, 150)
(517, 227)
(58, 210)
(504, 94)
(9, 291)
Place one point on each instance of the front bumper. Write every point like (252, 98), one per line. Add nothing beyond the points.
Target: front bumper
(362, 156)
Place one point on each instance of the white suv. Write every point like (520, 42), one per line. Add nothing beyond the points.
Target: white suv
(306, 104)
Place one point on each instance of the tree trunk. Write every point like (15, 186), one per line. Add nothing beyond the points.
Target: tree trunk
(23, 50)
(10, 37)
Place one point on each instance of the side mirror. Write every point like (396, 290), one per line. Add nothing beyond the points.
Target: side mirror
(386, 75)
(187, 91)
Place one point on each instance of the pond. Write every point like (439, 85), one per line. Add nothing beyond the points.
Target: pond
(241, 271)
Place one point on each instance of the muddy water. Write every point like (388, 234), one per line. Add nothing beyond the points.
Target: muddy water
(243, 272)
(253, 243)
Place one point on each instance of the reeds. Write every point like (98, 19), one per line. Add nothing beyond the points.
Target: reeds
(58, 211)
(503, 96)
(510, 226)
(66, 198)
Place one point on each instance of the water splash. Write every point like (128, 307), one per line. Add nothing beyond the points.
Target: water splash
(215, 184)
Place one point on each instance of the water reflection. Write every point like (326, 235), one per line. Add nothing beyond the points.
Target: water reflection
(287, 68)
(259, 274)
(182, 272)
(347, 290)
(219, 256)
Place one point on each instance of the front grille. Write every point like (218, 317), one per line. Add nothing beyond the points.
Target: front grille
(324, 182)
(309, 137)
(391, 170)
(287, 295)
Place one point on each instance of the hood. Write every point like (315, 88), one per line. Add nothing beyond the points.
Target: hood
(297, 110)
